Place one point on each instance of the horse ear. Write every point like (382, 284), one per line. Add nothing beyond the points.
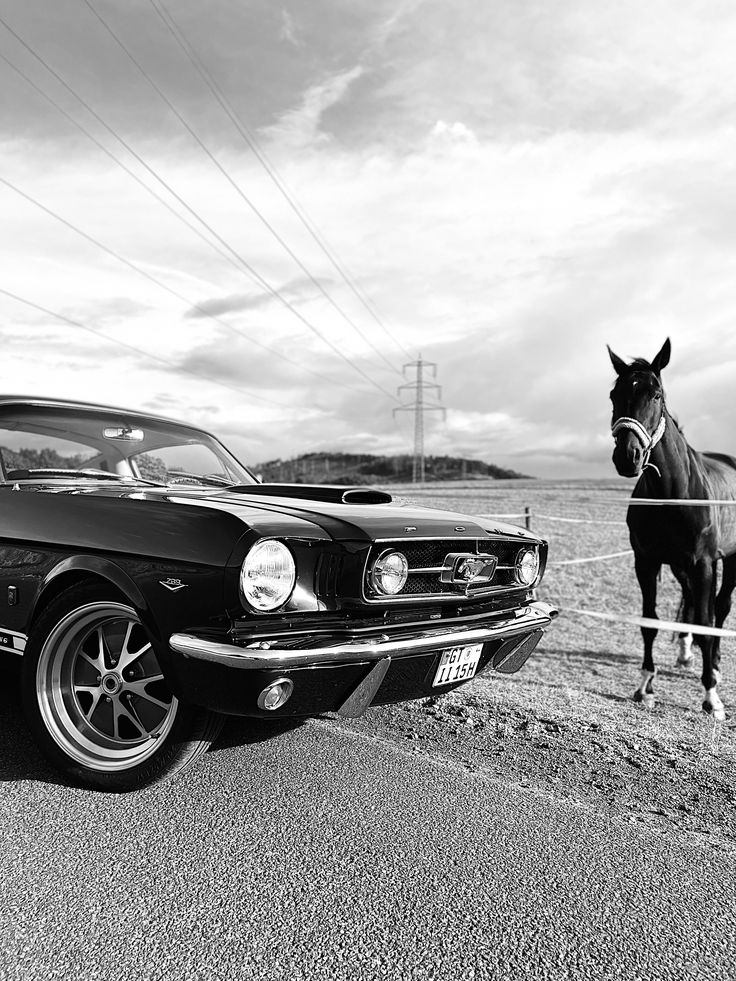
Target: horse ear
(663, 358)
(618, 363)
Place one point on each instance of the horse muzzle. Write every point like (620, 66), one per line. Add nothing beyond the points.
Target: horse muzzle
(628, 455)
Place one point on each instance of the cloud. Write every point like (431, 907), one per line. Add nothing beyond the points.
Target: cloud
(511, 188)
(301, 127)
(297, 289)
(447, 134)
(289, 31)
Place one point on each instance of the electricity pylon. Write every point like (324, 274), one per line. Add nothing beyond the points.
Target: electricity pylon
(419, 406)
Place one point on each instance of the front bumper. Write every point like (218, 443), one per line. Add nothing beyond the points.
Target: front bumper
(326, 677)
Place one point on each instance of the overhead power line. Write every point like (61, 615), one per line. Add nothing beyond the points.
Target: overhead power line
(234, 184)
(191, 303)
(419, 406)
(130, 347)
(116, 160)
(243, 262)
(189, 50)
(164, 286)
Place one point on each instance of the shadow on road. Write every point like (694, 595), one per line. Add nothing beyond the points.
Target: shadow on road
(246, 732)
(19, 758)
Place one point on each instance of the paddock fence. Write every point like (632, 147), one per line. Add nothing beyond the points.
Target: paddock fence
(529, 513)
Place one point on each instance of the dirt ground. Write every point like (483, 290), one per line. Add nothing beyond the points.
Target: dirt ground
(566, 721)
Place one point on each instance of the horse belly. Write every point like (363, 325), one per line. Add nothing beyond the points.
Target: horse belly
(671, 539)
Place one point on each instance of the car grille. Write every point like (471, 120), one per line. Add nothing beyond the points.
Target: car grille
(426, 558)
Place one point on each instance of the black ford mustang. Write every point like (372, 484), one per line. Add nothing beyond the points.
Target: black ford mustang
(153, 585)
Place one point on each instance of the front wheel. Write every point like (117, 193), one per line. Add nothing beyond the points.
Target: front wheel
(97, 701)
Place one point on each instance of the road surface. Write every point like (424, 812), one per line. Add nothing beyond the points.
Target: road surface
(338, 850)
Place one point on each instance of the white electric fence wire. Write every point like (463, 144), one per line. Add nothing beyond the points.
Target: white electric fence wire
(492, 517)
(668, 502)
(684, 628)
(592, 558)
(575, 521)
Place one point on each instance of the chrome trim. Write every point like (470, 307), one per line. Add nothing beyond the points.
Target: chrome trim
(441, 568)
(372, 572)
(434, 597)
(453, 560)
(488, 537)
(288, 688)
(488, 590)
(534, 616)
(12, 640)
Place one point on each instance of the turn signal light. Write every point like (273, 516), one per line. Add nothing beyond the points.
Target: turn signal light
(276, 694)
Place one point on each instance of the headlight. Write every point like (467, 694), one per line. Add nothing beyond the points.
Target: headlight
(527, 566)
(268, 575)
(389, 573)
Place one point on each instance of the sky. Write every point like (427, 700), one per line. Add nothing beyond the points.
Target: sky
(500, 188)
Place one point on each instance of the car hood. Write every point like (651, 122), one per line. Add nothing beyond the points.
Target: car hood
(266, 510)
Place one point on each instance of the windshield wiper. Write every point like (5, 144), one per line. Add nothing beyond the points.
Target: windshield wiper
(44, 473)
(198, 478)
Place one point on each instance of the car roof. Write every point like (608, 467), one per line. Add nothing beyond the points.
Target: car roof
(91, 407)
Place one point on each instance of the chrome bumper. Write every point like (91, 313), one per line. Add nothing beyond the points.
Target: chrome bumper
(535, 616)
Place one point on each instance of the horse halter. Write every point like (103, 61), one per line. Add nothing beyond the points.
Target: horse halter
(648, 442)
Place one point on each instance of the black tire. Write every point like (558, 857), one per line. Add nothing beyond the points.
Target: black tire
(96, 700)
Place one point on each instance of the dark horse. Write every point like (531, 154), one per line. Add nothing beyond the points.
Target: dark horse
(689, 538)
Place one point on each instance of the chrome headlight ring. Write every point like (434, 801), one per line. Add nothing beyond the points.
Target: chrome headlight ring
(527, 566)
(268, 575)
(388, 574)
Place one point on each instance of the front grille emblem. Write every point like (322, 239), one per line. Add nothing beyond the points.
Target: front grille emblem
(472, 571)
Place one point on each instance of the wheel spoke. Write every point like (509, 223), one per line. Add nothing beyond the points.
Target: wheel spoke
(139, 688)
(97, 662)
(127, 657)
(96, 692)
(122, 711)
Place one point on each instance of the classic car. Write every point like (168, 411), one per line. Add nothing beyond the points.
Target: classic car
(154, 586)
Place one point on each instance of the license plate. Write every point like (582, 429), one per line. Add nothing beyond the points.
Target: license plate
(457, 664)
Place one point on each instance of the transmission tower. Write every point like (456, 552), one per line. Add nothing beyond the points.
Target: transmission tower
(419, 406)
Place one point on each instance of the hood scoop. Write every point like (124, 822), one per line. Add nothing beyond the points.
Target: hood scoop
(331, 493)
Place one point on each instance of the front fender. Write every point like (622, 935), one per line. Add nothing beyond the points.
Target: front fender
(76, 567)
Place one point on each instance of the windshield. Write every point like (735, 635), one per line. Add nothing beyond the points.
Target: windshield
(40, 442)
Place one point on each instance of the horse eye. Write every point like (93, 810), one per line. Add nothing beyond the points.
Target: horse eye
(657, 396)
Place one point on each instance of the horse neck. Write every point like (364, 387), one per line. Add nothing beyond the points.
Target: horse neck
(673, 459)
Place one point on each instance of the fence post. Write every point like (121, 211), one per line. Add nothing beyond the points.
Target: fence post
(528, 518)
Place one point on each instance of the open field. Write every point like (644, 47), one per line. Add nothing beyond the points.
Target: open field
(567, 718)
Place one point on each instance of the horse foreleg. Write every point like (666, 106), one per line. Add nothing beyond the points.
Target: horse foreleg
(646, 573)
(685, 650)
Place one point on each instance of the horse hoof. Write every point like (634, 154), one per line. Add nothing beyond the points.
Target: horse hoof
(684, 660)
(716, 712)
(645, 699)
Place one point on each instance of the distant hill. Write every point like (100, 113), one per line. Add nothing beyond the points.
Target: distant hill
(363, 468)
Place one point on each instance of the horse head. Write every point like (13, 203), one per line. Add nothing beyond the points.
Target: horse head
(638, 418)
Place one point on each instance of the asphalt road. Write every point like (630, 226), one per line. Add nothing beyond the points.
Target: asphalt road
(323, 852)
